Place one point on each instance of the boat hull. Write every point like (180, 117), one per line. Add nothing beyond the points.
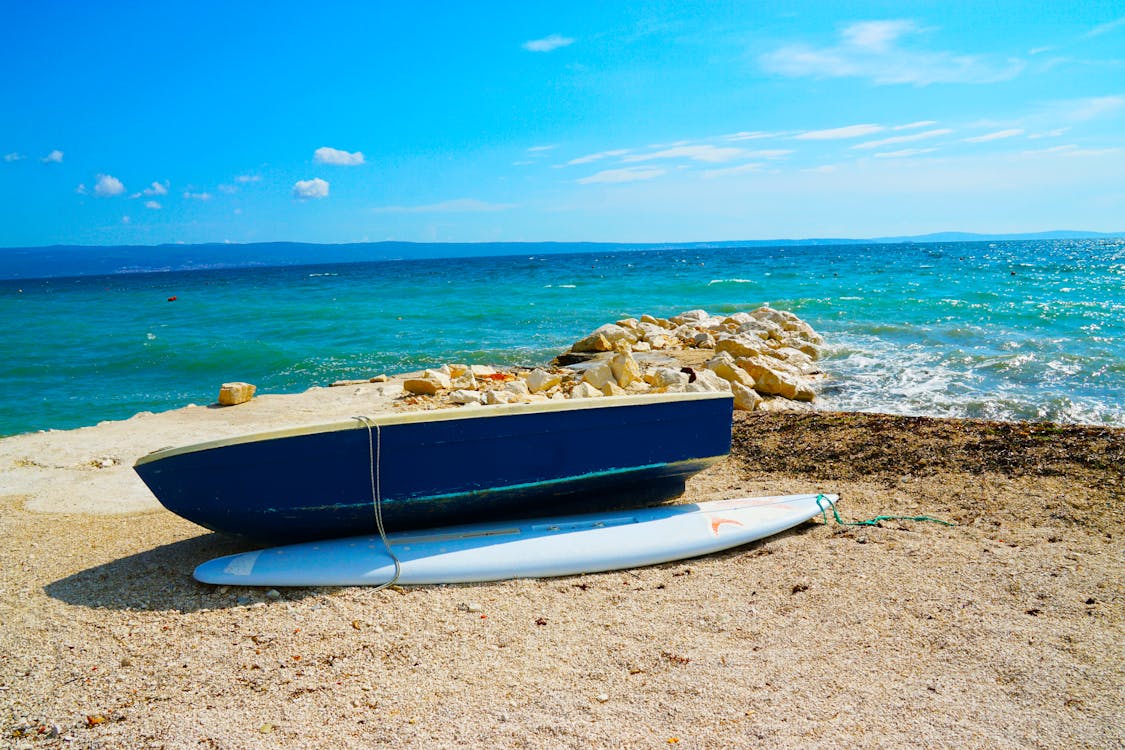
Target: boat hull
(441, 467)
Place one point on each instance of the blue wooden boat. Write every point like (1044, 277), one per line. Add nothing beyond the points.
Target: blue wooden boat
(447, 466)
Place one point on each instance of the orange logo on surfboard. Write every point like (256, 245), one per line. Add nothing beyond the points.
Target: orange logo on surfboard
(717, 521)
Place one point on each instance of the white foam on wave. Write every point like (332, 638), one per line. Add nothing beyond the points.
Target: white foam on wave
(872, 374)
(731, 281)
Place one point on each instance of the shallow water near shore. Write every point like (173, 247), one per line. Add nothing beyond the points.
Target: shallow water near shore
(1006, 330)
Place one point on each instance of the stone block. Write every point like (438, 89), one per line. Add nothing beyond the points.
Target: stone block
(231, 394)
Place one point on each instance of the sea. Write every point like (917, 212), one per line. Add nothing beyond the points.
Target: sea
(1008, 330)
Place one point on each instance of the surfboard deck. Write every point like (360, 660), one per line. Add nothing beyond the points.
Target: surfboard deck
(526, 548)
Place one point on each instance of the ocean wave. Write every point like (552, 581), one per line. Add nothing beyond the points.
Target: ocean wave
(712, 282)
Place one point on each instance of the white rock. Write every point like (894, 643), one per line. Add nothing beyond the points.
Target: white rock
(741, 345)
(481, 371)
(745, 399)
(421, 386)
(625, 369)
(517, 387)
(598, 375)
(231, 394)
(440, 376)
(690, 316)
(666, 377)
(492, 398)
(540, 380)
(709, 380)
(585, 390)
(466, 397)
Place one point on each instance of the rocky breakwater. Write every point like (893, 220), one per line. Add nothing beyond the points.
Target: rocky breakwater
(765, 358)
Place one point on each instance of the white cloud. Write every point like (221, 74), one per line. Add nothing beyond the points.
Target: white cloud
(998, 135)
(728, 171)
(913, 125)
(157, 188)
(600, 155)
(13, 157)
(459, 205)
(850, 131)
(769, 153)
(548, 43)
(153, 205)
(308, 189)
(81, 189)
(539, 149)
(246, 178)
(108, 185)
(204, 196)
(126, 220)
(228, 189)
(628, 174)
(747, 135)
(1105, 28)
(873, 50)
(326, 155)
(904, 153)
(903, 138)
(1091, 108)
(701, 152)
(55, 157)
(1072, 149)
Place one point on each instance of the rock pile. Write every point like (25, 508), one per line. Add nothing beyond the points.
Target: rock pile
(765, 358)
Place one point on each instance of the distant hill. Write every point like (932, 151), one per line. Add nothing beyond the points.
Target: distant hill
(92, 260)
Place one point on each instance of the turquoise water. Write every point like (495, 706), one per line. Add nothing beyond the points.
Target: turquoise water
(1006, 330)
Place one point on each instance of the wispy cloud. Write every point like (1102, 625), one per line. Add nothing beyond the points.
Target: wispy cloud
(1072, 149)
(874, 50)
(247, 178)
(541, 149)
(548, 43)
(1091, 108)
(903, 139)
(748, 135)
(997, 136)
(1106, 28)
(315, 188)
(201, 196)
(107, 185)
(627, 174)
(327, 155)
(600, 155)
(153, 205)
(157, 188)
(711, 174)
(832, 134)
(14, 156)
(55, 157)
(459, 205)
(700, 152)
(913, 125)
(904, 153)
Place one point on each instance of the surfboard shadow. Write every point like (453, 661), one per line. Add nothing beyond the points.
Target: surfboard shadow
(160, 580)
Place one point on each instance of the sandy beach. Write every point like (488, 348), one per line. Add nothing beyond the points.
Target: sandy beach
(1002, 631)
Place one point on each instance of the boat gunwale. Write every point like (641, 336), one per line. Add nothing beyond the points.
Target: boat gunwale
(385, 419)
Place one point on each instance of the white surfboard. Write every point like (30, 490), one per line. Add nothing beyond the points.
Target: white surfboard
(528, 548)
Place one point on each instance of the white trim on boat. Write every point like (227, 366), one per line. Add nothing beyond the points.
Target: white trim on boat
(436, 415)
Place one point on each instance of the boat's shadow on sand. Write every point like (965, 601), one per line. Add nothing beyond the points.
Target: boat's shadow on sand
(160, 580)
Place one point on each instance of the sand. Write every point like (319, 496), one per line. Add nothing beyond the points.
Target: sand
(1004, 631)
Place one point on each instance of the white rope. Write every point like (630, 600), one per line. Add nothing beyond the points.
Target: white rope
(375, 461)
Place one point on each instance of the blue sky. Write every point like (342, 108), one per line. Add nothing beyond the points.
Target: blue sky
(145, 123)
